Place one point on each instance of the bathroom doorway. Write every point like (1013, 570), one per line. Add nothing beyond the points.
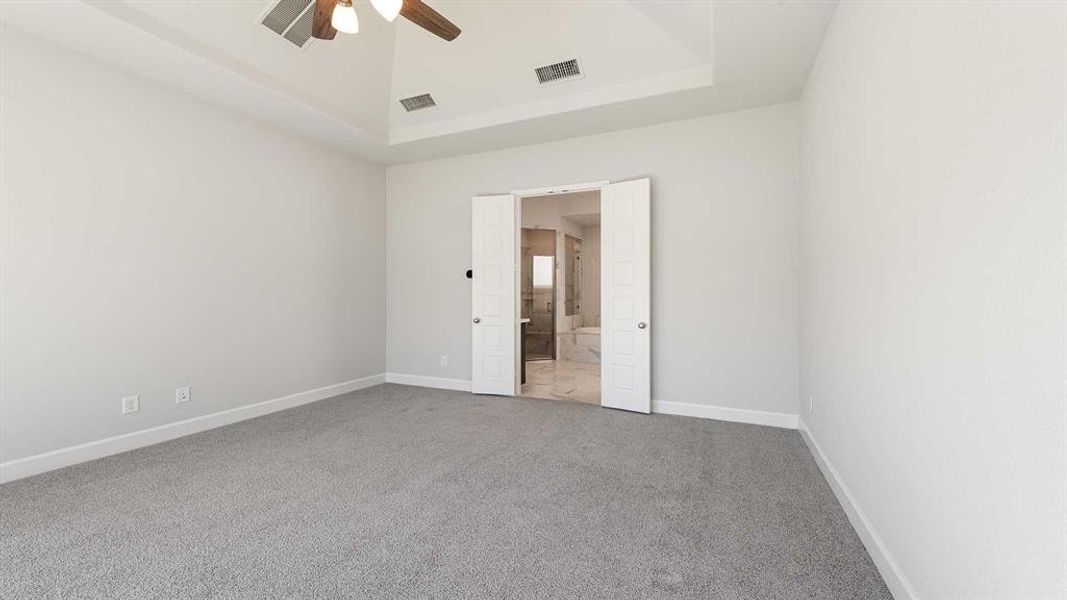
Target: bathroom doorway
(560, 296)
(579, 352)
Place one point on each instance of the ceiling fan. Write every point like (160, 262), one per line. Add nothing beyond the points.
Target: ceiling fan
(332, 16)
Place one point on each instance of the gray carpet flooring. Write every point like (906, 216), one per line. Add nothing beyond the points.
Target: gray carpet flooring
(404, 492)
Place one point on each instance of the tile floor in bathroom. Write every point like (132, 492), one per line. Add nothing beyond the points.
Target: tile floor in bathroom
(562, 380)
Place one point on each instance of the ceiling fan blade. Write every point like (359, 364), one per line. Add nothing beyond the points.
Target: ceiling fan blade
(429, 19)
(321, 28)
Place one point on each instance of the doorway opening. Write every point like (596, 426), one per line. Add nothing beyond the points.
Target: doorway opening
(617, 294)
(560, 296)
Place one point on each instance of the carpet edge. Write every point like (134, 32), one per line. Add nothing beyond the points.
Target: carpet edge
(20, 468)
(890, 571)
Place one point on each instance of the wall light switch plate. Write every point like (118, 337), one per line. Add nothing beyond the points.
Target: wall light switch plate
(131, 404)
(444, 360)
(181, 395)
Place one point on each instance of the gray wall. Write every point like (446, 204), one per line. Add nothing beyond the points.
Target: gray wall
(724, 239)
(150, 241)
(933, 283)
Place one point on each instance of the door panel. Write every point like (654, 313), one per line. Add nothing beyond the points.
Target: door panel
(494, 295)
(625, 271)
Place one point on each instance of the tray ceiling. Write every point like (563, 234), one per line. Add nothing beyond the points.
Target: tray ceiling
(643, 61)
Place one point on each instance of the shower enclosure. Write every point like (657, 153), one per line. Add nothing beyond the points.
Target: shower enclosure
(572, 284)
(539, 292)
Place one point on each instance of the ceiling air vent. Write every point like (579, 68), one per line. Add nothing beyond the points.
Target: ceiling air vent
(420, 102)
(290, 19)
(568, 69)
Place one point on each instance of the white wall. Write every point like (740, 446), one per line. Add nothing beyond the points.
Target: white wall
(933, 280)
(724, 238)
(150, 240)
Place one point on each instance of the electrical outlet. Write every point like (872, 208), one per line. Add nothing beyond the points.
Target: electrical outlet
(811, 404)
(181, 395)
(131, 404)
(444, 360)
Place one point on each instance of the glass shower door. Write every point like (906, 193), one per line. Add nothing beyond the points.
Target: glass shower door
(539, 292)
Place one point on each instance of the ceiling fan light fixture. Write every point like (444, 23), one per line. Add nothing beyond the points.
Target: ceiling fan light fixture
(344, 18)
(388, 9)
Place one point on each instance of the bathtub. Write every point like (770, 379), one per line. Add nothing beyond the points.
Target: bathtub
(580, 345)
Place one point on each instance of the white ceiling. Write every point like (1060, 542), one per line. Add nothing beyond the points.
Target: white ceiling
(645, 61)
(486, 76)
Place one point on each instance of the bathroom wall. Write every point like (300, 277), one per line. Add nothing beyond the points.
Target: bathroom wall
(547, 210)
(590, 309)
(550, 212)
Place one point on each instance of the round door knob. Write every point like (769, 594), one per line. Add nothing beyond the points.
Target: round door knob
(477, 320)
(642, 325)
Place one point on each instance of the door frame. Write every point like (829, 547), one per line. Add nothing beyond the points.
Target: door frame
(519, 195)
(587, 186)
(560, 189)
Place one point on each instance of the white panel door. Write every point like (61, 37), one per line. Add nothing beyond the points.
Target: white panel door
(494, 296)
(626, 290)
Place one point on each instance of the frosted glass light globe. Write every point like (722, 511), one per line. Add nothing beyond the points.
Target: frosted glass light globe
(389, 9)
(344, 18)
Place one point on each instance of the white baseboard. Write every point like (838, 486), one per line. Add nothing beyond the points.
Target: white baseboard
(460, 385)
(889, 569)
(64, 457)
(723, 413)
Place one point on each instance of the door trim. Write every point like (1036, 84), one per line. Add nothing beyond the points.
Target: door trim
(519, 196)
(561, 189)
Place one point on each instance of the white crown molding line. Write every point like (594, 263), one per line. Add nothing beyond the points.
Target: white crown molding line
(725, 413)
(72, 455)
(891, 572)
(460, 385)
(652, 86)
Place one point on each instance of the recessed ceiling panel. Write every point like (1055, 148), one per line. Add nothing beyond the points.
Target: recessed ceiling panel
(642, 62)
(491, 66)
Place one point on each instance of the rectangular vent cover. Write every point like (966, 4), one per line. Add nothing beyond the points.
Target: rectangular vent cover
(567, 69)
(420, 102)
(291, 19)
